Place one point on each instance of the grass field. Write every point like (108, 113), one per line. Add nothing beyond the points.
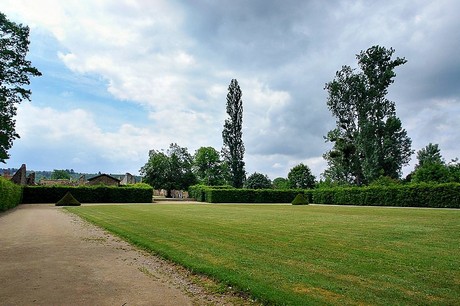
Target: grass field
(303, 255)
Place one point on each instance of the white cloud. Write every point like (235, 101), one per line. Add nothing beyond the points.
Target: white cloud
(175, 60)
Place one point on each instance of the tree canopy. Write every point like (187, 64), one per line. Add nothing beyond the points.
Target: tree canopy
(15, 71)
(233, 149)
(169, 171)
(301, 177)
(369, 141)
(258, 181)
(209, 168)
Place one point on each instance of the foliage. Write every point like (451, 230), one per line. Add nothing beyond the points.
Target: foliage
(68, 200)
(431, 154)
(431, 173)
(300, 177)
(280, 183)
(10, 194)
(384, 181)
(414, 195)
(369, 141)
(302, 255)
(89, 194)
(258, 181)
(169, 171)
(431, 167)
(300, 199)
(213, 195)
(232, 135)
(454, 171)
(60, 175)
(15, 71)
(209, 168)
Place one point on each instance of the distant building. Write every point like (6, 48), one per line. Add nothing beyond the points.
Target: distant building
(128, 179)
(104, 179)
(20, 176)
(61, 182)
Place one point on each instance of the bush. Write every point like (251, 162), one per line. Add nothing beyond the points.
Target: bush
(300, 199)
(68, 200)
(212, 195)
(415, 195)
(89, 194)
(10, 194)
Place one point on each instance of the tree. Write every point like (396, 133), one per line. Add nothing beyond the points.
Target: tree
(280, 183)
(369, 141)
(258, 181)
(15, 71)
(209, 168)
(169, 171)
(233, 149)
(431, 167)
(301, 177)
(431, 154)
(60, 175)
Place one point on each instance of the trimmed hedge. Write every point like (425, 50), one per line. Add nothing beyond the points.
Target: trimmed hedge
(300, 199)
(414, 195)
(10, 194)
(89, 194)
(226, 195)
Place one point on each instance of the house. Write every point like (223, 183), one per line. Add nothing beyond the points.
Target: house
(104, 179)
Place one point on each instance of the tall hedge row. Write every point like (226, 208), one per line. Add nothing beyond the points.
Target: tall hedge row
(416, 195)
(10, 194)
(89, 194)
(224, 194)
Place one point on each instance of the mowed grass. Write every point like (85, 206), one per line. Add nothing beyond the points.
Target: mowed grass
(303, 255)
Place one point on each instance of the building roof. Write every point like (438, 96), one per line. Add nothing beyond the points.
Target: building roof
(103, 174)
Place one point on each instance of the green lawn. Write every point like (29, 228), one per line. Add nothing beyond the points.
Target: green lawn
(303, 255)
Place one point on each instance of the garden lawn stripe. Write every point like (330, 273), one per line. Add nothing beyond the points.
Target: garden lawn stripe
(303, 254)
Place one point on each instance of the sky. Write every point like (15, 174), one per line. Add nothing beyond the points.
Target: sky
(122, 77)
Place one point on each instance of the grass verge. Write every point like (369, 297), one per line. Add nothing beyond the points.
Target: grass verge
(303, 255)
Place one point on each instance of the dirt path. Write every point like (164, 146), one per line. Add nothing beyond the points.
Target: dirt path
(51, 257)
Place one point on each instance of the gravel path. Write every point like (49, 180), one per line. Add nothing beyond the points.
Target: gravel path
(51, 257)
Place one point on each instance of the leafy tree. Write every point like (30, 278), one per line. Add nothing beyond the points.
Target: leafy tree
(280, 183)
(301, 177)
(169, 171)
(454, 171)
(209, 168)
(431, 167)
(258, 181)
(15, 71)
(60, 175)
(233, 149)
(431, 154)
(369, 141)
(431, 173)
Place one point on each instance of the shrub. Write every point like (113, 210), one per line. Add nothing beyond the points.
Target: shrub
(89, 194)
(415, 195)
(249, 195)
(300, 199)
(10, 194)
(68, 200)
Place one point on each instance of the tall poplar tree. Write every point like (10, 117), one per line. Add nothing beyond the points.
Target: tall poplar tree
(15, 71)
(233, 149)
(369, 140)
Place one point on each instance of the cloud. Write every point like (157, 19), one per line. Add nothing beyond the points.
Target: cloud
(173, 61)
(74, 139)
